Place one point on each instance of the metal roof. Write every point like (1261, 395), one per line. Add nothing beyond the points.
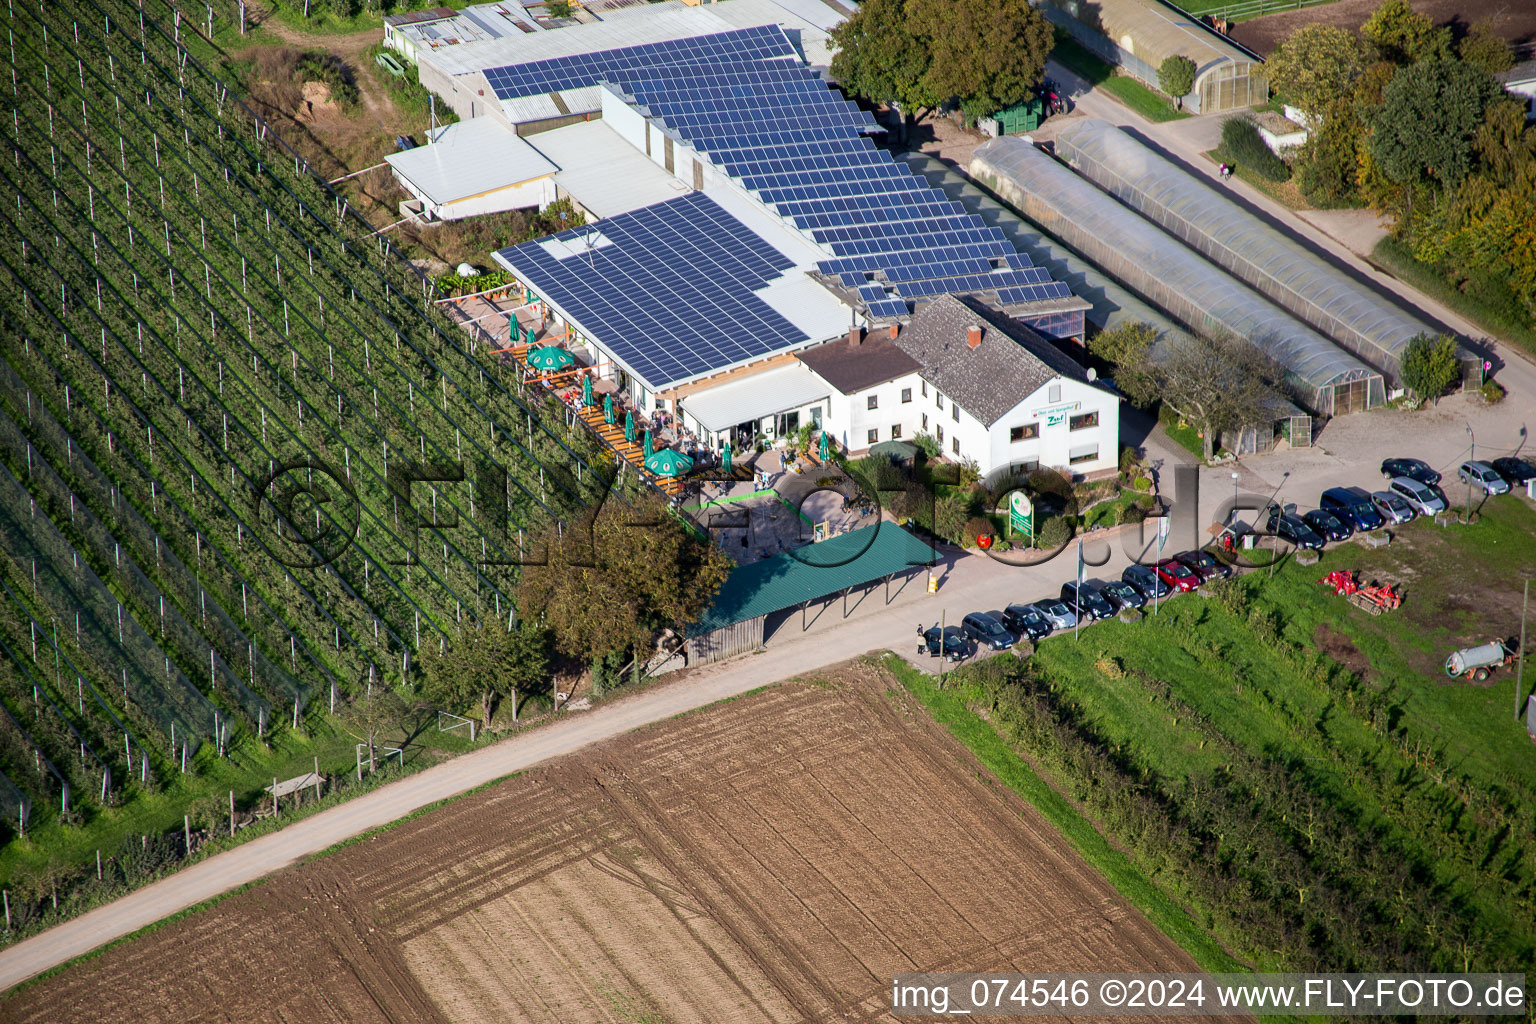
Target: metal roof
(469, 158)
(812, 572)
(807, 22)
(763, 394)
(1154, 32)
(603, 172)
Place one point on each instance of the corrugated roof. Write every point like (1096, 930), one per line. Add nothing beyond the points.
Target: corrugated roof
(602, 172)
(469, 158)
(1154, 31)
(762, 394)
(812, 572)
(1011, 363)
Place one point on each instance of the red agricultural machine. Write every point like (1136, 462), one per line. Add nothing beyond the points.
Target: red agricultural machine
(1372, 597)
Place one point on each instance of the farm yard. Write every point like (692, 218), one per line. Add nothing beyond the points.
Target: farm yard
(774, 857)
(198, 332)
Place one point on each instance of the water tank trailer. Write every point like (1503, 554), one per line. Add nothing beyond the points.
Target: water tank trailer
(1479, 662)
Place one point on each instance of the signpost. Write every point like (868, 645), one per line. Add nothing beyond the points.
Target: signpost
(1021, 516)
(1163, 527)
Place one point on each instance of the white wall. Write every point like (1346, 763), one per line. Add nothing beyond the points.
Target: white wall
(1056, 440)
(850, 419)
(537, 193)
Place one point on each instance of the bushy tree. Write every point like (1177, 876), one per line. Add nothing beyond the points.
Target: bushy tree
(1423, 130)
(1487, 49)
(373, 710)
(1316, 66)
(614, 580)
(1327, 165)
(1429, 366)
(988, 54)
(1176, 76)
(880, 59)
(1128, 348)
(1403, 36)
(1219, 382)
(486, 663)
(949, 516)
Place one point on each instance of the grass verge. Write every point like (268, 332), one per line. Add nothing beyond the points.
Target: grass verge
(1146, 101)
(1395, 258)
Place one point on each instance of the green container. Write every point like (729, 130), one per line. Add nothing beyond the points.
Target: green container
(1021, 117)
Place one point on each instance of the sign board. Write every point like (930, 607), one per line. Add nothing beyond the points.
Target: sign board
(1021, 514)
(1056, 415)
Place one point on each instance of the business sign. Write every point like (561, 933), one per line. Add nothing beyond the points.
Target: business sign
(1056, 415)
(1021, 514)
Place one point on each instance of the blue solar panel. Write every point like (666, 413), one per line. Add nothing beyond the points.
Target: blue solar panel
(1033, 293)
(888, 307)
(871, 291)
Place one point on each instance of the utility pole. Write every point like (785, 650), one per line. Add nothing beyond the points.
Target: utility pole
(1520, 668)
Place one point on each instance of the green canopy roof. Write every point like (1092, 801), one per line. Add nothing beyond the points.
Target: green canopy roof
(668, 463)
(814, 571)
(550, 358)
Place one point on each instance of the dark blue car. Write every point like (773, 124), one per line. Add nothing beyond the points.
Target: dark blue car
(1353, 505)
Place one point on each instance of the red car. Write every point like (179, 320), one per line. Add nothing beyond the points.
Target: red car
(1177, 575)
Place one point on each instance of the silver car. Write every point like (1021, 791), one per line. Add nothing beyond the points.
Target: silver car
(1484, 477)
(1392, 507)
(1058, 613)
(1421, 497)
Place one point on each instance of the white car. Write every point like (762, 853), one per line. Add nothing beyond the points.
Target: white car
(1420, 497)
(1484, 477)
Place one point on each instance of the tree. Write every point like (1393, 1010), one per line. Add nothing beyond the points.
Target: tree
(1176, 76)
(1403, 36)
(880, 59)
(373, 710)
(1316, 65)
(1423, 130)
(1429, 365)
(1327, 165)
(558, 8)
(949, 516)
(1221, 382)
(1487, 49)
(615, 579)
(486, 663)
(1128, 348)
(989, 54)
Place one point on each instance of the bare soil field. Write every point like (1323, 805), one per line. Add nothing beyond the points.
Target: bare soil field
(1516, 22)
(774, 858)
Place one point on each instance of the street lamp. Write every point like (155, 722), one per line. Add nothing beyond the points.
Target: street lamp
(1471, 454)
(1234, 492)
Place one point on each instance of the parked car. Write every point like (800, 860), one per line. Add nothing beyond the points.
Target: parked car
(1327, 525)
(1205, 565)
(950, 643)
(1425, 500)
(1025, 620)
(1353, 506)
(1177, 575)
(1145, 579)
(1392, 507)
(1059, 613)
(1288, 526)
(986, 630)
(1482, 476)
(1413, 469)
(1121, 594)
(930, 640)
(1516, 471)
(1089, 603)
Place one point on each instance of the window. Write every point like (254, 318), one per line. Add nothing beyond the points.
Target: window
(925, 421)
(873, 402)
(1026, 432)
(1053, 394)
(939, 400)
(874, 435)
(895, 430)
(954, 444)
(906, 395)
(941, 434)
(1083, 421)
(922, 384)
(1080, 455)
(954, 412)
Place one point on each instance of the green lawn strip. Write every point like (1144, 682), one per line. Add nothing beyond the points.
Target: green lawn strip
(1184, 435)
(1146, 101)
(952, 708)
(1283, 192)
(1395, 258)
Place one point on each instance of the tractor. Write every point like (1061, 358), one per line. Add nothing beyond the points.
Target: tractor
(1372, 597)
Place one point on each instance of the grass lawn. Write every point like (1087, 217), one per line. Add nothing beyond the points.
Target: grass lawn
(1184, 435)
(1284, 192)
(1147, 102)
(1394, 257)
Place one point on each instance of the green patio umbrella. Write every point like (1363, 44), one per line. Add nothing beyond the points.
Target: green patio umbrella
(608, 409)
(530, 336)
(648, 448)
(586, 392)
(550, 358)
(726, 461)
(668, 463)
(826, 447)
(629, 427)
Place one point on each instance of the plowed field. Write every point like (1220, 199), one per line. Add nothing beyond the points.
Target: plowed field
(773, 858)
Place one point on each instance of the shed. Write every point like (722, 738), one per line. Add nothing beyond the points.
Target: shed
(735, 622)
(474, 167)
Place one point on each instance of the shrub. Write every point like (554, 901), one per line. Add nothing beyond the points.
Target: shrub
(1132, 513)
(967, 473)
(1229, 595)
(1429, 366)
(1054, 533)
(1242, 145)
(1142, 484)
(1176, 76)
(928, 445)
(949, 518)
(1493, 392)
(976, 527)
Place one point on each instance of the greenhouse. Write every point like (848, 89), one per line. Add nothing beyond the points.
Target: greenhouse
(1327, 379)
(1297, 279)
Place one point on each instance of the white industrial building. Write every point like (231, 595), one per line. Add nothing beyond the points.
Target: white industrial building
(474, 167)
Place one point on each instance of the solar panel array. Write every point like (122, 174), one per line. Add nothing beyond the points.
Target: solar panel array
(670, 292)
(783, 134)
(556, 74)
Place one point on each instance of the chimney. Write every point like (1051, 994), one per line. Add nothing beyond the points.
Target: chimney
(895, 331)
(855, 336)
(973, 336)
